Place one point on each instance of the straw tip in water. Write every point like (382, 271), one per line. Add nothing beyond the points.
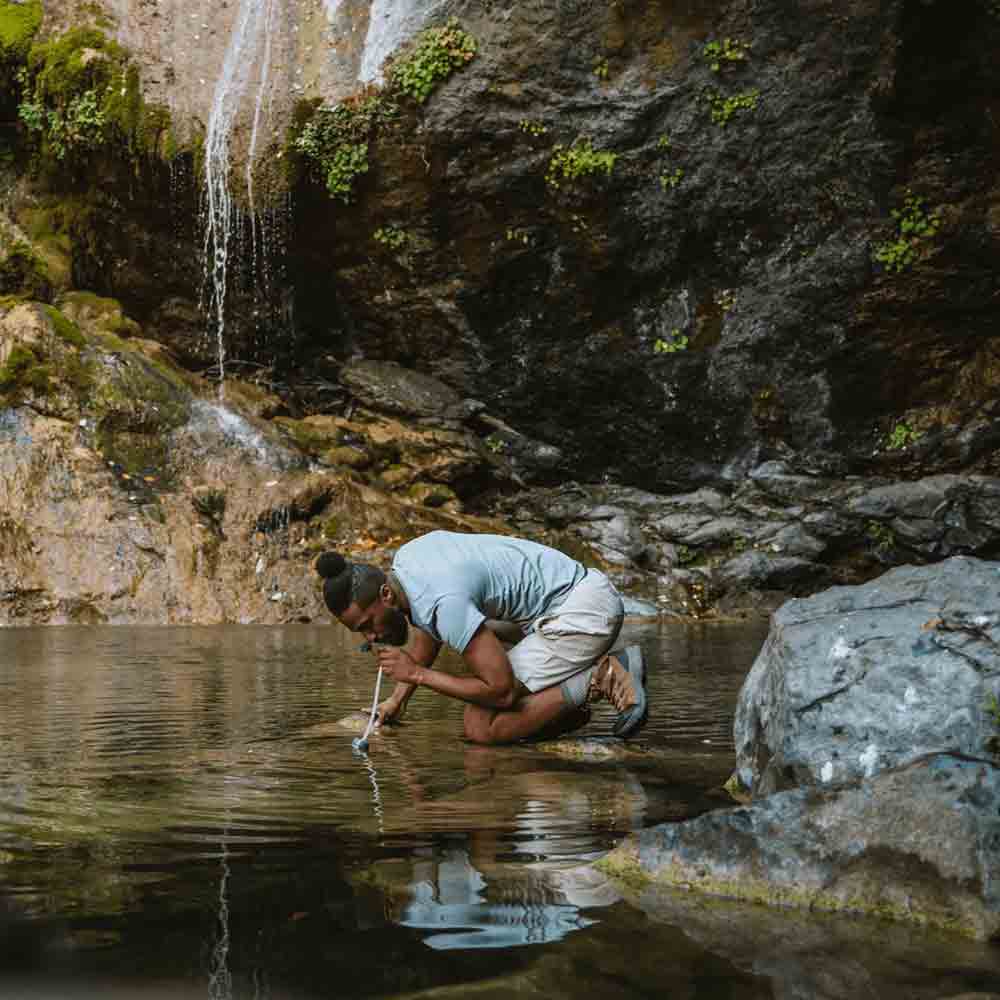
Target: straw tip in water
(359, 744)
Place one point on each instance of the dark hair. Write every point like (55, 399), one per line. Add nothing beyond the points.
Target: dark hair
(346, 582)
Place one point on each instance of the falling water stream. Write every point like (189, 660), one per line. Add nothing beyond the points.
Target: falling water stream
(249, 50)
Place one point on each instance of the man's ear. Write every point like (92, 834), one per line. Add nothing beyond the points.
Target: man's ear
(388, 597)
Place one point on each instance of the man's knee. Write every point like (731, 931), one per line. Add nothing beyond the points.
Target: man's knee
(478, 724)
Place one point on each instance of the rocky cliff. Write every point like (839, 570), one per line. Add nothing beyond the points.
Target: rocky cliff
(652, 246)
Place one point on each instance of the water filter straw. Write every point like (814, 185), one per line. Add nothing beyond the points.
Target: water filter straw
(361, 743)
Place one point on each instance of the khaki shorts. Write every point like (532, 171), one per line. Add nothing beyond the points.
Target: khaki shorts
(570, 637)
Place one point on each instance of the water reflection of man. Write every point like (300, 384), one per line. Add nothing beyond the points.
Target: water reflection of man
(534, 627)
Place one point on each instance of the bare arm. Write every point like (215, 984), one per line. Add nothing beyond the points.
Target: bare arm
(491, 685)
(423, 649)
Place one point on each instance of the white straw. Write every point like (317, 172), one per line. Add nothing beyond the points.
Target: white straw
(371, 718)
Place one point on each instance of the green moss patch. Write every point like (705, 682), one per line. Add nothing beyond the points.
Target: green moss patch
(65, 329)
(19, 22)
(623, 865)
(81, 92)
(24, 371)
(24, 273)
(99, 314)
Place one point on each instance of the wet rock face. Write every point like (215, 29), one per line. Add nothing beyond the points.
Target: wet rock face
(674, 329)
(727, 286)
(853, 681)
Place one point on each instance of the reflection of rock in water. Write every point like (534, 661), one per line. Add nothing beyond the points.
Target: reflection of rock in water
(823, 957)
(451, 896)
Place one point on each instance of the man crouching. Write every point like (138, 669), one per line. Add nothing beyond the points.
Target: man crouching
(534, 627)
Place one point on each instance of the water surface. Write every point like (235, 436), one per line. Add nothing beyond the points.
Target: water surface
(181, 816)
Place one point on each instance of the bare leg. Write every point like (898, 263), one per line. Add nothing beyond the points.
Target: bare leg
(529, 717)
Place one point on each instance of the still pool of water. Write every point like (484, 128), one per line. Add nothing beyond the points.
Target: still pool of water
(181, 816)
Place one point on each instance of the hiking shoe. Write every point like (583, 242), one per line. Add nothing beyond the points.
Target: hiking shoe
(631, 720)
(621, 680)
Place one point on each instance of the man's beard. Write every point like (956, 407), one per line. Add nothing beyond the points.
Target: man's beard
(394, 627)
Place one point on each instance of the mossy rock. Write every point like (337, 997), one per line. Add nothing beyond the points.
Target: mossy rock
(54, 249)
(97, 314)
(314, 435)
(345, 455)
(24, 273)
(136, 403)
(39, 364)
(23, 372)
(431, 494)
(19, 23)
(83, 93)
(130, 402)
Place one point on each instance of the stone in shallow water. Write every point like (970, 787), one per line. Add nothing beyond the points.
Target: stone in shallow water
(356, 722)
(353, 722)
(587, 747)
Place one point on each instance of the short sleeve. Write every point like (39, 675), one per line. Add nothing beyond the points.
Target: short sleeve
(456, 620)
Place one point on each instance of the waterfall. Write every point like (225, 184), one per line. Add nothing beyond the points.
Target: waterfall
(249, 47)
(214, 427)
(265, 72)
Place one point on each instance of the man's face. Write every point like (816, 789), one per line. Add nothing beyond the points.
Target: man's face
(380, 621)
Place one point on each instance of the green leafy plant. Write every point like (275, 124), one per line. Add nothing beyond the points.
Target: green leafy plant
(573, 163)
(517, 235)
(725, 299)
(335, 140)
(992, 707)
(686, 555)
(391, 237)
(532, 127)
(902, 435)
(724, 108)
(726, 50)
(496, 444)
(346, 163)
(881, 536)
(601, 68)
(663, 143)
(677, 342)
(436, 55)
(671, 178)
(915, 227)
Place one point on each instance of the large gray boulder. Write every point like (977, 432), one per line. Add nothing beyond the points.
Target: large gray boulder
(867, 733)
(919, 844)
(856, 680)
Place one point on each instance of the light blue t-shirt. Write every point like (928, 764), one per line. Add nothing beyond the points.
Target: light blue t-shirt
(455, 581)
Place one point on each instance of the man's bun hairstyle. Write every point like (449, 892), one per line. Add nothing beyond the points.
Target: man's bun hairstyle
(330, 564)
(345, 582)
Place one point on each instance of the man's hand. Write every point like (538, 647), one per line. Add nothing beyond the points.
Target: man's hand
(398, 665)
(389, 711)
